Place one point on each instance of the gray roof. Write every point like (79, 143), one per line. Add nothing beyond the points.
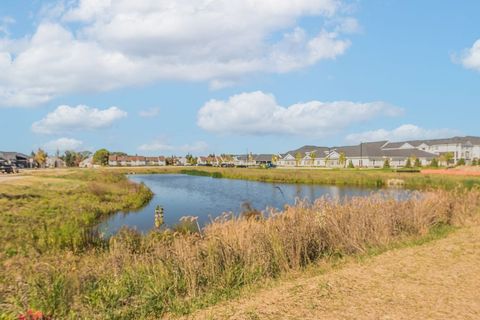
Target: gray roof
(263, 157)
(319, 151)
(467, 140)
(368, 149)
(12, 155)
(406, 153)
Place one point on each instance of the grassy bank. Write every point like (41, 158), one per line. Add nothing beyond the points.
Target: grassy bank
(51, 210)
(376, 178)
(134, 276)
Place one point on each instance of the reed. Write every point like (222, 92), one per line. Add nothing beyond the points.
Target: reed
(138, 276)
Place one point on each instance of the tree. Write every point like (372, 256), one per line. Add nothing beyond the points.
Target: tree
(386, 164)
(342, 159)
(313, 155)
(40, 158)
(447, 157)
(434, 163)
(191, 159)
(409, 163)
(101, 157)
(70, 158)
(461, 162)
(298, 158)
(418, 163)
(274, 159)
(350, 164)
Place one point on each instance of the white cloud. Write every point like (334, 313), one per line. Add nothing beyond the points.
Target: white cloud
(63, 144)
(259, 113)
(149, 113)
(402, 133)
(123, 43)
(470, 58)
(65, 119)
(163, 146)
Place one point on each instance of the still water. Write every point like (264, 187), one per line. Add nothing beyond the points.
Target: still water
(206, 197)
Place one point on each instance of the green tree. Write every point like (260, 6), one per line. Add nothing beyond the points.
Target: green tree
(101, 157)
(447, 157)
(313, 155)
(417, 163)
(386, 164)
(191, 159)
(342, 159)
(409, 163)
(350, 164)
(40, 157)
(298, 158)
(70, 158)
(434, 163)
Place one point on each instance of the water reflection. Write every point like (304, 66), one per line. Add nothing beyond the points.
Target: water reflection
(207, 198)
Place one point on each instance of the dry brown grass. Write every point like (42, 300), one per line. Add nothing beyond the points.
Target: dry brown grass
(437, 280)
(167, 272)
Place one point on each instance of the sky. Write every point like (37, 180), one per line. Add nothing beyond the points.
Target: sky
(233, 76)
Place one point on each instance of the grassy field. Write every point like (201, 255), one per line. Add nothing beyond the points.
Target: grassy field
(50, 263)
(340, 177)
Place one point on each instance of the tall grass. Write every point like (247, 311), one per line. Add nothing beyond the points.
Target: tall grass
(174, 272)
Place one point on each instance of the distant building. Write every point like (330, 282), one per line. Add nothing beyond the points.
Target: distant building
(135, 161)
(16, 159)
(55, 162)
(86, 163)
(374, 154)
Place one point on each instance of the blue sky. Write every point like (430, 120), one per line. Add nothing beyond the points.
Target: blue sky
(232, 76)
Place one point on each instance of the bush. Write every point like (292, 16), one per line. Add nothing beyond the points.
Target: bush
(386, 164)
(461, 162)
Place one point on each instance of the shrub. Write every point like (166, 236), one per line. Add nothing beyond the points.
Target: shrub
(386, 164)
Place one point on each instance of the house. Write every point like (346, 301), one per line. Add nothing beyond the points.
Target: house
(135, 161)
(16, 159)
(467, 148)
(363, 155)
(246, 160)
(155, 161)
(202, 161)
(86, 163)
(55, 162)
(263, 159)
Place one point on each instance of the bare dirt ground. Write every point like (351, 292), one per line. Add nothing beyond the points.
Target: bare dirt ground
(437, 280)
(6, 178)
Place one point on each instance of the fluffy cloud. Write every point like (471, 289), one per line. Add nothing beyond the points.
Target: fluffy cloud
(259, 113)
(163, 146)
(471, 57)
(404, 132)
(66, 119)
(63, 144)
(123, 43)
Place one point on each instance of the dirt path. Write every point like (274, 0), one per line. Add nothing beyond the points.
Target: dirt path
(438, 280)
(5, 178)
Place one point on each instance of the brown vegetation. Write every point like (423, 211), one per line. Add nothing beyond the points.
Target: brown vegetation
(176, 272)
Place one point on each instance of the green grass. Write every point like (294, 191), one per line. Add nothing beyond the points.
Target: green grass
(53, 264)
(50, 212)
(373, 178)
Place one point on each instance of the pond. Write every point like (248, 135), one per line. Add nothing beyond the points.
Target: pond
(206, 198)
